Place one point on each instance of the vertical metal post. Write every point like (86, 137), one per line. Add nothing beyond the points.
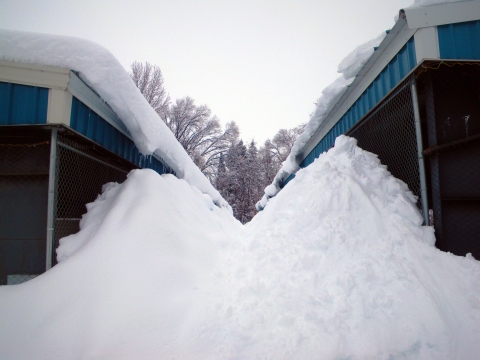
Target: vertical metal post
(421, 163)
(51, 198)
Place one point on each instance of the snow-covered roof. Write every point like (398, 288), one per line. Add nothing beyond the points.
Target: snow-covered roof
(102, 72)
(359, 69)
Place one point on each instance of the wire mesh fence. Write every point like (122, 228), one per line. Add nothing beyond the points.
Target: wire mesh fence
(81, 171)
(23, 200)
(389, 131)
(80, 174)
(452, 110)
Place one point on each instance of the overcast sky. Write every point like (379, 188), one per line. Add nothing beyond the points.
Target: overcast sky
(260, 63)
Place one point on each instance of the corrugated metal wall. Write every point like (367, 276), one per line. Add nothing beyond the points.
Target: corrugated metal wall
(22, 104)
(87, 122)
(460, 41)
(393, 73)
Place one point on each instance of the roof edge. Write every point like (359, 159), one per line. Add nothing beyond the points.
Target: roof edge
(442, 14)
(396, 38)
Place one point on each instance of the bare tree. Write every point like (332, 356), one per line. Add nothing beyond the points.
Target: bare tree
(149, 80)
(200, 133)
(283, 141)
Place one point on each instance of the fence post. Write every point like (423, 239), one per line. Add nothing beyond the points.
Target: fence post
(421, 162)
(51, 198)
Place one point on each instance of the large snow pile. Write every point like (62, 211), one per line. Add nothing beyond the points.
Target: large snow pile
(336, 267)
(103, 73)
(130, 285)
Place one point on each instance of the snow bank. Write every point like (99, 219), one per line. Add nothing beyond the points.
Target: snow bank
(349, 68)
(102, 72)
(336, 267)
(130, 285)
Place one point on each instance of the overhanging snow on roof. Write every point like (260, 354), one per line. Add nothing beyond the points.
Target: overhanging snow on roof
(59, 89)
(423, 33)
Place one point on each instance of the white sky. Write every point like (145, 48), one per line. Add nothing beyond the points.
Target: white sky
(260, 63)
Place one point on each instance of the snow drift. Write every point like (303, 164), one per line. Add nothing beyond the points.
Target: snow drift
(130, 285)
(336, 267)
(100, 70)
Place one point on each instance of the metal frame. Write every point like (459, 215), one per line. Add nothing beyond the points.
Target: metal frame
(421, 162)
(51, 199)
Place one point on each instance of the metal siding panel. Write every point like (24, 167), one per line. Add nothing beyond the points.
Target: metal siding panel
(135, 154)
(23, 104)
(20, 113)
(82, 119)
(412, 54)
(100, 133)
(5, 100)
(115, 137)
(91, 124)
(355, 110)
(74, 113)
(376, 90)
(339, 129)
(42, 105)
(128, 150)
(402, 63)
(392, 71)
(159, 167)
(363, 104)
(121, 143)
(126, 147)
(459, 41)
(385, 81)
(371, 95)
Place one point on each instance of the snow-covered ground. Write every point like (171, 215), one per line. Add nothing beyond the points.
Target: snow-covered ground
(336, 267)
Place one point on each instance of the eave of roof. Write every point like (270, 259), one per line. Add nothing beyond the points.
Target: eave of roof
(364, 71)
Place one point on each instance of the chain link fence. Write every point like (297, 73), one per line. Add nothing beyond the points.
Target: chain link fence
(452, 107)
(389, 131)
(81, 173)
(81, 170)
(24, 162)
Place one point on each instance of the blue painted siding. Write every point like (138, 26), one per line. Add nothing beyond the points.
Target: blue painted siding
(22, 104)
(87, 122)
(288, 179)
(390, 76)
(460, 40)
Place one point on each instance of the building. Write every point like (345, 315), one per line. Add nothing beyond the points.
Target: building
(416, 103)
(59, 143)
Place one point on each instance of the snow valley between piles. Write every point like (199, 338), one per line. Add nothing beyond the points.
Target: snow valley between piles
(337, 266)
